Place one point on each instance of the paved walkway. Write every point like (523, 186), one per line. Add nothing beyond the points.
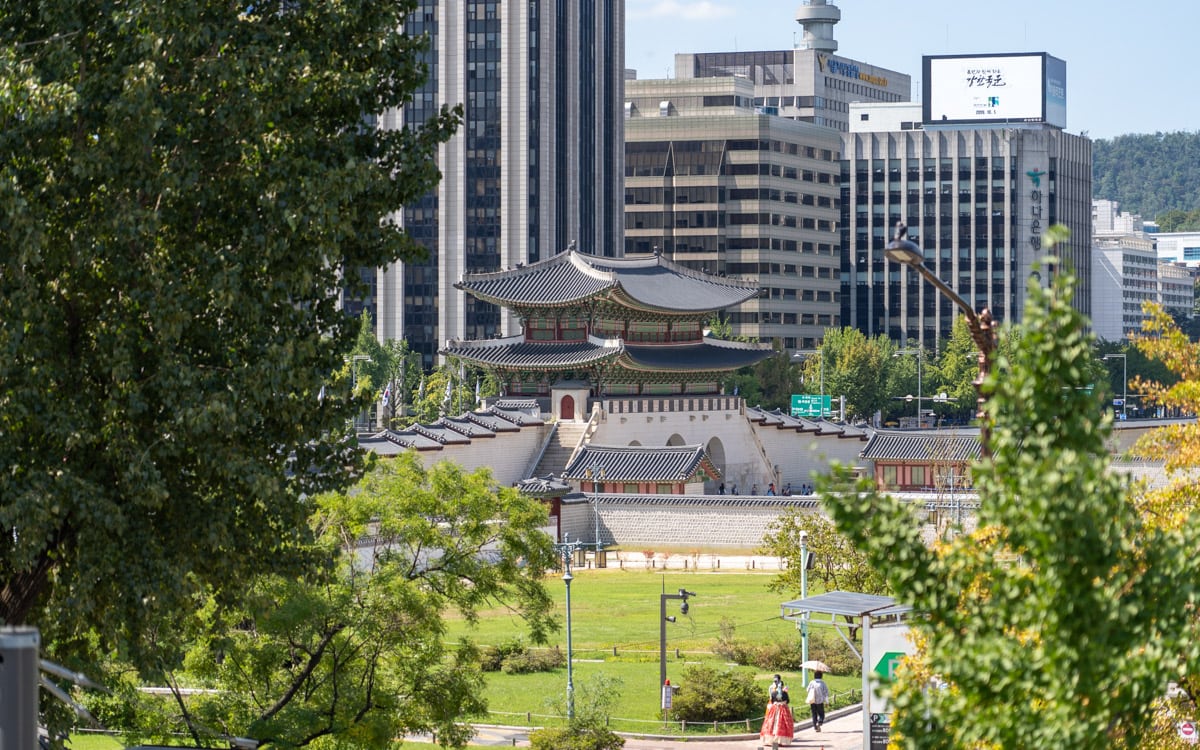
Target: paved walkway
(842, 731)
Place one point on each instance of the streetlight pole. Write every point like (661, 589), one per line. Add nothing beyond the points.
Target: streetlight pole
(802, 354)
(920, 357)
(982, 327)
(566, 550)
(804, 595)
(1124, 383)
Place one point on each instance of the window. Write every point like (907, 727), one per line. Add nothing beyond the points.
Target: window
(917, 476)
(662, 488)
(888, 475)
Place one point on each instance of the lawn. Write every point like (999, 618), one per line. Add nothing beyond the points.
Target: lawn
(615, 632)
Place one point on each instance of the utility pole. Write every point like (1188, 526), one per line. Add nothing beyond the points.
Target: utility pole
(19, 688)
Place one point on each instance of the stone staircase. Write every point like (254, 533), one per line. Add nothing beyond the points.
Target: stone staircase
(566, 437)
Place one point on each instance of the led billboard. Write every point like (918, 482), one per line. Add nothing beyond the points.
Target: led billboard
(1017, 87)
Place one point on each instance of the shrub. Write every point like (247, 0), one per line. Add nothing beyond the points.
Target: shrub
(491, 658)
(708, 695)
(779, 656)
(546, 660)
(593, 738)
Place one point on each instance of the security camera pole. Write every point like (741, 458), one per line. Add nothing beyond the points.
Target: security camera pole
(662, 628)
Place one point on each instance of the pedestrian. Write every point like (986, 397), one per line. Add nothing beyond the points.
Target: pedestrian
(778, 726)
(818, 695)
(787, 489)
(733, 491)
(721, 489)
(771, 489)
(754, 489)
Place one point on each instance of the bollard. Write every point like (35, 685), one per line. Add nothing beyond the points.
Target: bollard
(677, 653)
(614, 650)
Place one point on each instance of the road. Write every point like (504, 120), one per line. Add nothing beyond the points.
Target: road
(842, 731)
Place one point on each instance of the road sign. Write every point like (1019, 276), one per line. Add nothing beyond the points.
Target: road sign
(811, 405)
(1187, 731)
(886, 666)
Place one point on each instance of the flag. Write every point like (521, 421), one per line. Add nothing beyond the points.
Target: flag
(476, 391)
(321, 395)
(387, 394)
(735, 390)
(421, 389)
(446, 398)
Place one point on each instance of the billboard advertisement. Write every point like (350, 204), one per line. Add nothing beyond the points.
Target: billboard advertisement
(1017, 87)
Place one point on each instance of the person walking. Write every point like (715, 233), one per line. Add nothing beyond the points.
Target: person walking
(778, 726)
(818, 695)
(771, 489)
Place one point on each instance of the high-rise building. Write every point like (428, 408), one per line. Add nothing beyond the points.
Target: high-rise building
(717, 186)
(808, 83)
(1124, 277)
(535, 167)
(978, 177)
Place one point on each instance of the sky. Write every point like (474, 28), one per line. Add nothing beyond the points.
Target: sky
(1131, 67)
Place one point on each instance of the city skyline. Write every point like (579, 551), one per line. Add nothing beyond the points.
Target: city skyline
(1115, 85)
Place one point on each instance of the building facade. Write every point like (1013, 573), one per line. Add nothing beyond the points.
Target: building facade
(809, 83)
(1124, 277)
(719, 188)
(1179, 247)
(534, 167)
(1177, 288)
(978, 199)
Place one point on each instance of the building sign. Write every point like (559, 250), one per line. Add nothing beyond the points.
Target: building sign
(1036, 208)
(830, 64)
(995, 88)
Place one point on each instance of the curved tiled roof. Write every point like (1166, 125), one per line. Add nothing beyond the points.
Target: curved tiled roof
(925, 445)
(639, 463)
(547, 486)
(654, 283)
(783, 421)
(696, 501)
(710, 354)
(516, 353)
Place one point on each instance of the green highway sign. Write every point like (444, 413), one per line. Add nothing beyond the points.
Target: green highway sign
(810, 405)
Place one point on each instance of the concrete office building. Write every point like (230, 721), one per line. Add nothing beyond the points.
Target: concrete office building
(1124, 277)
(808, 83)
(1177, 288)
(977, 185)
(718, 187)
(1179, 247)
(535, 166)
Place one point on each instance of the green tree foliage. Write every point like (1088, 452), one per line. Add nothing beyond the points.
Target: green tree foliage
(856, 367)
(354, 651)
(1062, 616)
(837, 564)
(182, 185)
(1155, 175)
(708, 694)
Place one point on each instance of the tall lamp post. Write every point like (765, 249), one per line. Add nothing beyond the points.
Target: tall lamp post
(804, 595)
(566, 550)
(801, 355)
(1124, 383)
(920, 356)
(982, 327)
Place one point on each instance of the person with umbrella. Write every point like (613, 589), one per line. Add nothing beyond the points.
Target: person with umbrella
(818, 696)
(778, 726)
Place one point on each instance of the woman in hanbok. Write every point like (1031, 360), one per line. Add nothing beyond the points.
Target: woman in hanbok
(778, 727)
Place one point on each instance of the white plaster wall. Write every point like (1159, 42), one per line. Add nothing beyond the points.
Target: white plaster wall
(800, 455)
(508, 454)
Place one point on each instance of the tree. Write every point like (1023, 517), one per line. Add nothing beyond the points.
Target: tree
(1062, 604)
(837, 564)
(354, 651)
(855, 367)
(184, 188)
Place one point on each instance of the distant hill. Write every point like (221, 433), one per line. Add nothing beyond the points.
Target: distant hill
(1148, 174)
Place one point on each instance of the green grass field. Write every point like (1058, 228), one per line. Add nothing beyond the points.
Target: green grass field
(612, 609)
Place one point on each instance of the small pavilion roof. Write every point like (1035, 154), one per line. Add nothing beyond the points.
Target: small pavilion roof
(547, 486)
(922, 445)
(652, 283)
(640, 463)
(514, 352)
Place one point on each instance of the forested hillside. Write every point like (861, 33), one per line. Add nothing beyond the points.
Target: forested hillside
(1155, 175)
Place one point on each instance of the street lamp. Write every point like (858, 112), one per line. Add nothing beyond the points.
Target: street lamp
(801, 355)
(982, 327)
(566, 549)
(1124, 383)
(920, 357)
(804, 595)
(662, 629)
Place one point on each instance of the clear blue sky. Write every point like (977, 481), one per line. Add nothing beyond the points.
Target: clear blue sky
(1131, 67)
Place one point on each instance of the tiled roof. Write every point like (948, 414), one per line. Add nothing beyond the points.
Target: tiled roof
(516, 353)
(465, 426)
(513, 403)
(546, 486)
(491, 421)
(638, 463)
(697, 501)
(922, 445)
(784, 421)
(710, 354)
(653, 283)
